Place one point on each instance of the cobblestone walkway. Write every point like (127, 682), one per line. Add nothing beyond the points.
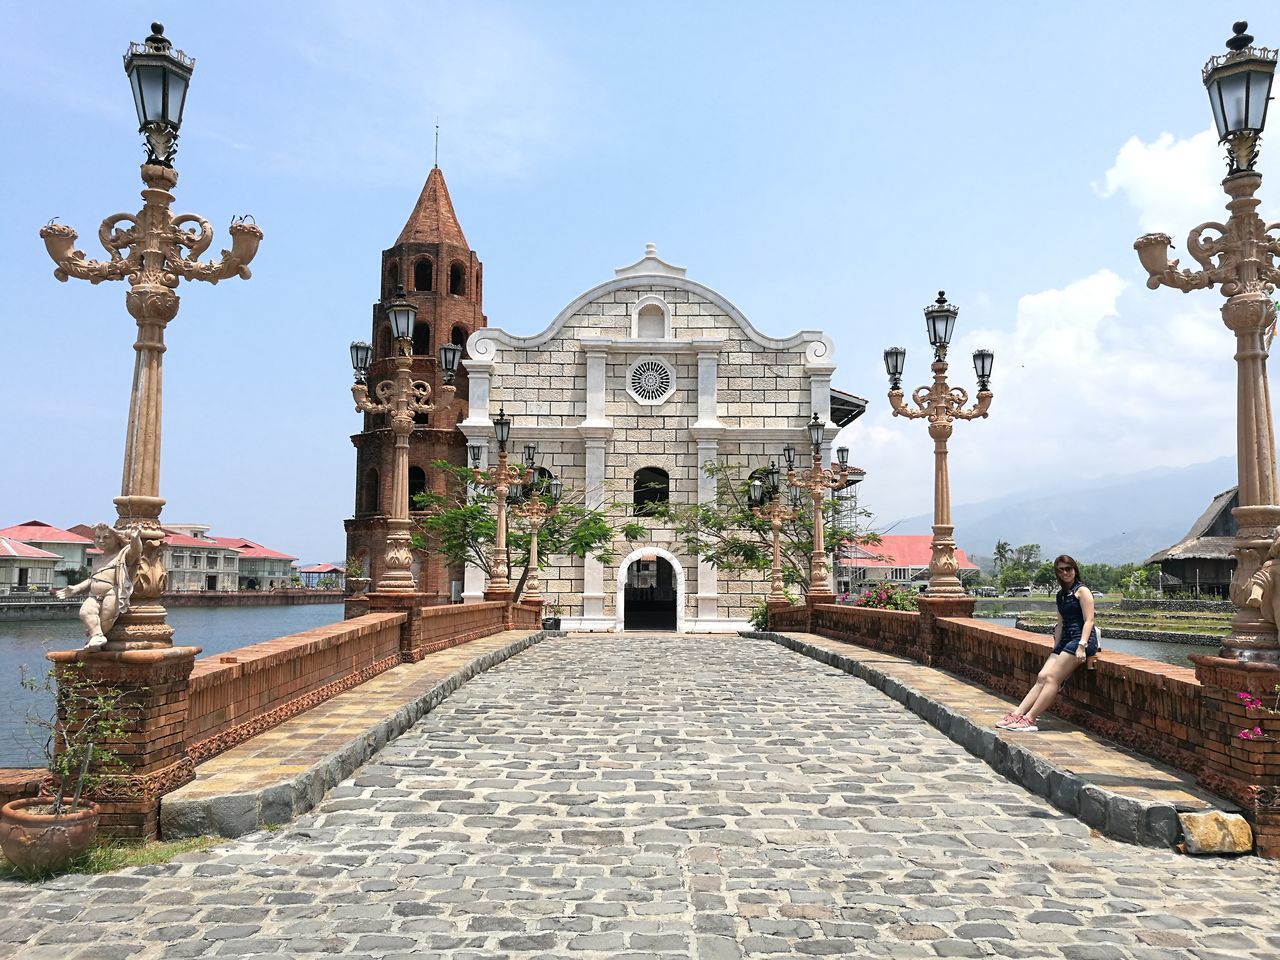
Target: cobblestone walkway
(706, 798)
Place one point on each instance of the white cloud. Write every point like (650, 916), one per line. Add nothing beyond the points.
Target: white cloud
(1173, 184)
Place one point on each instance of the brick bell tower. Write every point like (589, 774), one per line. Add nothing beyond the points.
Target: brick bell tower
(442, 277)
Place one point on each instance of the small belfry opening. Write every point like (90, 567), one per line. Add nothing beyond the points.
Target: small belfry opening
(651, 322)
(417, 485)
(649, 597)
(422, 275)
(457, 279)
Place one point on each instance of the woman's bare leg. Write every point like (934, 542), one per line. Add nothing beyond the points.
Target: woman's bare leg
(1059, 667)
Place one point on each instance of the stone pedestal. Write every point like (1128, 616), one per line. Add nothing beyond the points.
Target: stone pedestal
(155, 684)
(1244, 770)
(412, 641)
(933, 609)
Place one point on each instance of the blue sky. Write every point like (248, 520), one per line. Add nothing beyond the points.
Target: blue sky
(824, 165)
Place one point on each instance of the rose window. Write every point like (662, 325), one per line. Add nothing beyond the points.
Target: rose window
(650, 380)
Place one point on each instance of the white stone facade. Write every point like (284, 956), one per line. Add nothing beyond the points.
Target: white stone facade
(709, 387)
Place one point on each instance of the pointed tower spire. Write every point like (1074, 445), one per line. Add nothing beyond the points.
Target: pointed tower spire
(433, 219)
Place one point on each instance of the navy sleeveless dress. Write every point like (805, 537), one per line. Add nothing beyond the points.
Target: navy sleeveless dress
(1072, 623)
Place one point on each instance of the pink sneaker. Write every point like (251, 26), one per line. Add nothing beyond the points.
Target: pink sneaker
(1023, 725)
(1007, 720)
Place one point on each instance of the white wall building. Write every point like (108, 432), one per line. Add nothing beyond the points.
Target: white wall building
(648, 375)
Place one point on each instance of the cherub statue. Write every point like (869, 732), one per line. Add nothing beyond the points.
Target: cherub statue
(110, 585)
(1264, 585)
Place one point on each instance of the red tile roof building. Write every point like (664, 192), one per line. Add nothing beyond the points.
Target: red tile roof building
(23, 566)
(69, 547)
(900, 559)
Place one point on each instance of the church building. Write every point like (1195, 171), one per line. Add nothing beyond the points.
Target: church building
(632, 388)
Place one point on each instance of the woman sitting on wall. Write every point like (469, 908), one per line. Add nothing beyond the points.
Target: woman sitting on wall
(1075, 620)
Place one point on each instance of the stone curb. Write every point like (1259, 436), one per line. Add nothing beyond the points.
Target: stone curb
(234, 815)
(1146, 823)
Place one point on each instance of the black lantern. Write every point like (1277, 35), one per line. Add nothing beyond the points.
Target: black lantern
(789, 455)
(502, 428)
(842, 454)
(361, 354)
(940, 321)
(159, 76)
(755, 493)
(556, 488)
(817, 429)
(530, 451)
(474, 450)
(515, 495)
(895, 359)
(1239, 85)
(982, 361)
(775, 477)
(402, 314)
(450, 354)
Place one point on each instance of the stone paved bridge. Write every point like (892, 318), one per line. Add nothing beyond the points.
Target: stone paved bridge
(625, 797)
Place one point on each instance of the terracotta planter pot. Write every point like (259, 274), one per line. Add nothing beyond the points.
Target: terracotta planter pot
(35, 841)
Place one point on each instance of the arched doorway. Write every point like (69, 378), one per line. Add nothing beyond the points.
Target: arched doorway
(649, 594)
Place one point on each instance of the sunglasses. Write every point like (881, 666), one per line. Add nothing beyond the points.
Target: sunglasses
(1064, 569)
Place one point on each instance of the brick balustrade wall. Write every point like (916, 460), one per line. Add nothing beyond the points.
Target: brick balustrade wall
(1190, 719)
(239, 694)
(441, 627)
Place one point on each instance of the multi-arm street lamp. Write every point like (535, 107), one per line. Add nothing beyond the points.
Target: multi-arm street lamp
(153, 250)
(778, 515)
(536, 510)
(401, 397)
(942, 404)
(818, 482)
(500, 481)
(1242, 260)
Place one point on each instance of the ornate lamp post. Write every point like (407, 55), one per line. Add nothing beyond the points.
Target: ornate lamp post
(500, 481)
(153, 250)
(942, 404)
(818, 482)
(778, 515)
(536, 511)
(1242, 260)
(401, 397)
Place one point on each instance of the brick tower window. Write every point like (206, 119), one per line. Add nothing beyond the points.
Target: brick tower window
(459, 336)
(422, 271)
(369, 495)
(422, 339)
(417, 485)
(457, 279)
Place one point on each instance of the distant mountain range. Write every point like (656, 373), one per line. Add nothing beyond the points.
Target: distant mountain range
(1109, 520)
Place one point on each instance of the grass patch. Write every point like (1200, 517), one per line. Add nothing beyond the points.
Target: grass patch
(108, 854)
(1205, 623)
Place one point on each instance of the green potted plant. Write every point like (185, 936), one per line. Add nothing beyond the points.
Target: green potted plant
(357, 582)
(552, 622)
(40, 834)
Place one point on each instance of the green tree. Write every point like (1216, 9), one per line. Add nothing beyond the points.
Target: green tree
(1026, 556)
(1014, 576)
(463, 529)
(1044, 576)
(1002, 554)
(728, 535)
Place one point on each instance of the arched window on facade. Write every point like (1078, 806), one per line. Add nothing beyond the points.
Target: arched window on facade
(422, 339)
(393, 278)
(458, 336)
(650, 322)
(422, 419)
(369, 495)
(422, 272)
(652, 486)
(417, 485)
(457, 279)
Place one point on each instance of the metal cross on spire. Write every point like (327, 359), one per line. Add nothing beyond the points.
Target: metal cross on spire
(437, 159)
